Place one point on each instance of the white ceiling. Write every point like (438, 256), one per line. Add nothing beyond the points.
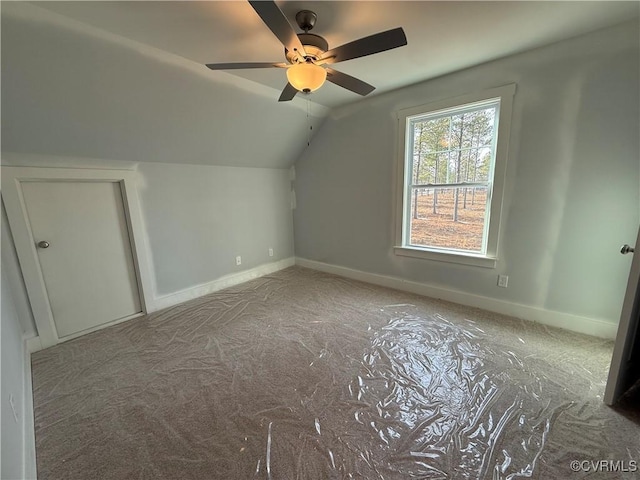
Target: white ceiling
(442, 36)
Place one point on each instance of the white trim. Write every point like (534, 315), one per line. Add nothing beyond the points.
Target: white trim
(25, 245)
(16, 159)
(29, 468)
(567, 321)
(99, 327)
(33, 344)
(450, 257)
(453, 102)
(496, 191)
(220, 283)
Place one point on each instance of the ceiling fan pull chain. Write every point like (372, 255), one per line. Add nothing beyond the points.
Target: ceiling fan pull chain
(309, 122)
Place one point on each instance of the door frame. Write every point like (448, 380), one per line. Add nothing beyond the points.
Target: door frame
(617, 382)
(12, 180)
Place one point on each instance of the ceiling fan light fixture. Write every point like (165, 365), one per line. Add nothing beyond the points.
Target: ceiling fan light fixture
(306, 77)
(308, 54)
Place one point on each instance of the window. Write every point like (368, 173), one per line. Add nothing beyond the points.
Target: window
(452, 166)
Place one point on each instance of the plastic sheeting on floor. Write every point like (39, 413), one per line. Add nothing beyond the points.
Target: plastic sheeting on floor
(304, 375)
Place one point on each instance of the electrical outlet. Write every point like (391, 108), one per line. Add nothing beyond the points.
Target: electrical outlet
(271, 252)
(503, 281)
(238, 260)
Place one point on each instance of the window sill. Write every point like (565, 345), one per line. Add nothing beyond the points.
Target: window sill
(460, 258)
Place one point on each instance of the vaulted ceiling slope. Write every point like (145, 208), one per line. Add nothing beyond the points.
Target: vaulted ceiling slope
(127, 81)
(70, 90)
(443, 36)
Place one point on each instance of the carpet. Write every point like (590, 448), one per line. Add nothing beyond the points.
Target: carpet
(306, 375)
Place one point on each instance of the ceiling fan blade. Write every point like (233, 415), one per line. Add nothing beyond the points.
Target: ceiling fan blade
(377, 43)
(234, 66)
(349, 82)
(273, 17)
(288, 93)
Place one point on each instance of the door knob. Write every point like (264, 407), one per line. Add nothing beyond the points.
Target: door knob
(43, 244)
(626, 249)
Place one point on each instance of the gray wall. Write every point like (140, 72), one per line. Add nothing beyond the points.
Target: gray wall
(73, 96)
(199, 218)
(573, 180)
(71, 90)
(196, 219)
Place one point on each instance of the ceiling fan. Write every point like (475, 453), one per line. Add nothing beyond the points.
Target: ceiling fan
(308, 55)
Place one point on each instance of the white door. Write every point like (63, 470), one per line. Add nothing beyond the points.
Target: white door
(83, 246)
(625, 364)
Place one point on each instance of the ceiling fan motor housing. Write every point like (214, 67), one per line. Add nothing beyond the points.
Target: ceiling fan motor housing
(314, 46)
(308, 54)
(306, 20)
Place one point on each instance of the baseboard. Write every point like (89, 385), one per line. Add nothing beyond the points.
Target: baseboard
(566, 321)
(32, 344)
(223, 282)
(28, 428)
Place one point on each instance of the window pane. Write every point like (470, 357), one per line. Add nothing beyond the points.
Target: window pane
(451, 146)
(436, 222)
(478, 128)
(458, 128)
(423, 168)
(450, 160)
(441, 166)
(432, 135)
(472, 129)
(477, 164)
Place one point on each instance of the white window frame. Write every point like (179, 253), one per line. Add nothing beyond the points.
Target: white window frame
(405, 149)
